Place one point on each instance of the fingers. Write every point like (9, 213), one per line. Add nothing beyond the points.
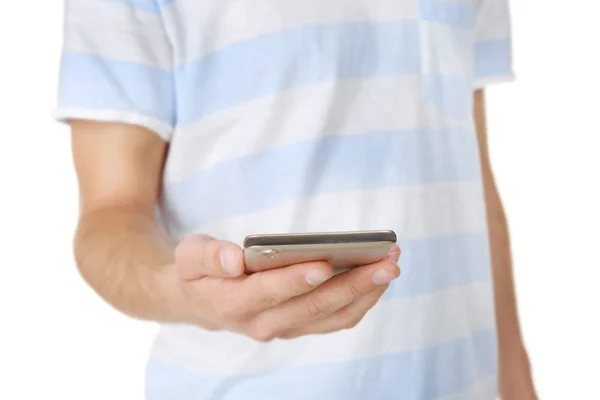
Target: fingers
(263, 290)
(297, 300)
(329, 298)
(201, 255)
(394, 254)
(346, 318)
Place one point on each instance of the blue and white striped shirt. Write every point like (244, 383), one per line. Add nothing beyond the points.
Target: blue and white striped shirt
(313, 115)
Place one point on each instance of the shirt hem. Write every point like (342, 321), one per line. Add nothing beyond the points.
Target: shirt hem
(491, 80)
(162, 129)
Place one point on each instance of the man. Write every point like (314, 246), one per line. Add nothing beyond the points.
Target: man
(237, 118)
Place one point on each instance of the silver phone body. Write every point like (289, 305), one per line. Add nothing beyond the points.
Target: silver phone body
(343, 250)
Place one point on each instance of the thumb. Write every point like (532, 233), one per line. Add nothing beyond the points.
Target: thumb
(202, 255)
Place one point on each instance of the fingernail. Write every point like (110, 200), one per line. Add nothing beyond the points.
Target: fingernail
(383, 277)
(316, 277)
(229, 262)
(394, 254)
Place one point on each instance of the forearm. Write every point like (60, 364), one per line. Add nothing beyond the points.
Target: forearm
(513, 362)
(120, 251)
(509, 333)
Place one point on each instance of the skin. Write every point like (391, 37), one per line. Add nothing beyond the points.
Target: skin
(514, 368)
(132, 263)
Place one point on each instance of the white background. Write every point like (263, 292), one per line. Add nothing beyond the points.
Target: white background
(59, 341)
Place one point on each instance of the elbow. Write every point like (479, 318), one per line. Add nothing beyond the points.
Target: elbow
(497, 219)
(82, 261)
(88, 261)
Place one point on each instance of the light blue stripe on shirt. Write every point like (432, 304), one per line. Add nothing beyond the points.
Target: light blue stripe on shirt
(331, 164)
(253, 68)
(446, 12)
(452, 95)
(433, 264)
(96, 83)
(492, 58)
(246, 71)
(151, 6)
(420, 374)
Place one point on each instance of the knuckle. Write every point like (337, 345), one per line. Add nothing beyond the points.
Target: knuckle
(355, 290)
(317, 308)
(189, 247)
(266, 296)
(184, 259)
(180, 252)
(289, 335)
(209, 253)
(261, 333)
(347, 320)
(268, 299)
(353, 321)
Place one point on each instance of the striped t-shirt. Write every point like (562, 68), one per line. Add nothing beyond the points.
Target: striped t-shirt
(303, 116)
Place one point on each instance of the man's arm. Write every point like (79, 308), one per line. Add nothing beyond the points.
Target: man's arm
(120, 250)
(126, 256)
(514, 370)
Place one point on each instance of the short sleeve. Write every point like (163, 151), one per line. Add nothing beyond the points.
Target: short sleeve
(116, 65)
(493, 45)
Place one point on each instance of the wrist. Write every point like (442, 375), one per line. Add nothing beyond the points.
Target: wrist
(163, 289)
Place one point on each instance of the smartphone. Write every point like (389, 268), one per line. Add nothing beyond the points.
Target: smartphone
(343, 250)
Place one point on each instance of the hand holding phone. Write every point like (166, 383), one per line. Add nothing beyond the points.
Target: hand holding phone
(207, 286)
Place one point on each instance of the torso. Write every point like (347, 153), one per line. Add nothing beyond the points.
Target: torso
(321, 115)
